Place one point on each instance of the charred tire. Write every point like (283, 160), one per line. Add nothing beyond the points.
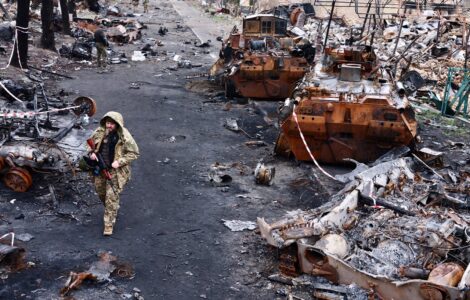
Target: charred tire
(18, 179)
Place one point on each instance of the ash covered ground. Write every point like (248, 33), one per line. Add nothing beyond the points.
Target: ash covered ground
(170, 237)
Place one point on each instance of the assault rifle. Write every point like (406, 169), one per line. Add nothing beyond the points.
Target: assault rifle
(100, 166)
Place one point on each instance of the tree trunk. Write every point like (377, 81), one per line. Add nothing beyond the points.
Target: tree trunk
(72, 8)
(47, 14)
(20, 52)
(65, 16)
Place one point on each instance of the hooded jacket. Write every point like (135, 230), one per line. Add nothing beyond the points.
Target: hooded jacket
(126, 149)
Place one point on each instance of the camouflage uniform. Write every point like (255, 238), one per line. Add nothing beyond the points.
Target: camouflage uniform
(126, 150)
(101, 44)
(146, 6)
(102, 56)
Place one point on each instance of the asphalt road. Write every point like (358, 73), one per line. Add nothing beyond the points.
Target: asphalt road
(169, 227)
(169, 222)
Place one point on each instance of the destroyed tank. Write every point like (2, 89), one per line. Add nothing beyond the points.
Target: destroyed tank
(262, 62)
(348, 107)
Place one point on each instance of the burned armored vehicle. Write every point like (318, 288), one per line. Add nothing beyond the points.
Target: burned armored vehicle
(347, 107)
(40, 134)
(263, 61)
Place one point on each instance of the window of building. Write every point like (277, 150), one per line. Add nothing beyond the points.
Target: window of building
(280, 27)
(266, 27)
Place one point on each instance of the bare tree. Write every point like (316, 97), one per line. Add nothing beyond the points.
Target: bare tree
(72, 8)
(65, 16)
(47, 15)
(20, 52)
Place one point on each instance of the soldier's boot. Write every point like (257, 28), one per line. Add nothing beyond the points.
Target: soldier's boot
(108, 230)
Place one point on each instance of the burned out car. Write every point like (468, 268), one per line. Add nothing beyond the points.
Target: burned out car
(262, 61)
(43, 134)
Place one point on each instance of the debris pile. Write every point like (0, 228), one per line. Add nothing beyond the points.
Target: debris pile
(40, 133)
(394, 224)
(399, 227)
(100, 272)
(414, 49)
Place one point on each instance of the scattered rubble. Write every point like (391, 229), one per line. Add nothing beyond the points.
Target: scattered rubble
(264, 175)
(237, 225)
(390, 226)
(99, 271)
(11, 256)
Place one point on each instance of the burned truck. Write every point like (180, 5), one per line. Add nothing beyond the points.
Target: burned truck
(348, 107)
(262, 62)
(40, 134)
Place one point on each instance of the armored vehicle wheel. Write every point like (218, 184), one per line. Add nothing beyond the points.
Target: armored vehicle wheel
(18, 179)
(87, 106)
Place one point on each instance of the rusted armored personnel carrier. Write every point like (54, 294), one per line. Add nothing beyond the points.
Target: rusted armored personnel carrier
(347, 107)
(262, 61)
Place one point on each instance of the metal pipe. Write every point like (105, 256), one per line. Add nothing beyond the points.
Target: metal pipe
(373, 32)
(329, 23)
(438, 31)
(466, 51)
(365, 20)
(398, 37)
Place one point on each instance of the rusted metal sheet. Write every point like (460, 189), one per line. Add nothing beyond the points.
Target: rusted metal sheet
(337, 130)
(317, 262)
(262, 75)
(11, 258)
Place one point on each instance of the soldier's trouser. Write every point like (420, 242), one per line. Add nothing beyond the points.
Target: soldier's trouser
(109, 197)
(101, 54)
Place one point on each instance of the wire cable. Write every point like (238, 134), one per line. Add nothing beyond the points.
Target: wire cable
(308, 149)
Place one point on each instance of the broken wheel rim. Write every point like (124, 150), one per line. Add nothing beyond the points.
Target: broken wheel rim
(18, 179)
(86, 106)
